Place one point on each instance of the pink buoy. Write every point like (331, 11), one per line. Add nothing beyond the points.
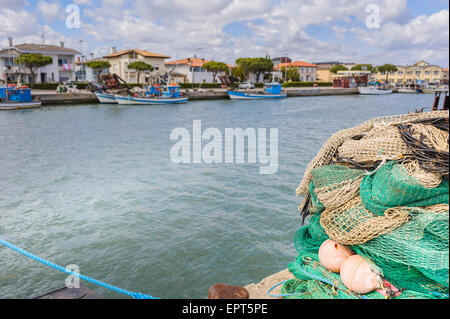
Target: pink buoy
(357, 275)
(332, 255)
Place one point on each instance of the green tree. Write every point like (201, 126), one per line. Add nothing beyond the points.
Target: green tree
(261, 65)
(237, 72)
(215, 67)
(292, 74)
(337, 68)
(98, 67)
(387, 68)
(139, 67)
(246, 67)
(33, 61)
(363, 67)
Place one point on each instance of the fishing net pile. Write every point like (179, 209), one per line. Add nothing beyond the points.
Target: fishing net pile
(381, 189)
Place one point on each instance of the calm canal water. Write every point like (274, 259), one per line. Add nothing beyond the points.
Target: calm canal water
(93, 185)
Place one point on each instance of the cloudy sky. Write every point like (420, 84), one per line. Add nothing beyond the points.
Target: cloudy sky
(310, 30)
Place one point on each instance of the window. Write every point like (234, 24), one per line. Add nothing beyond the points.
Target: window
(436, 72)
(62, 61)
(418, 72)
(427, 72)
(400, 72)
(409, 73)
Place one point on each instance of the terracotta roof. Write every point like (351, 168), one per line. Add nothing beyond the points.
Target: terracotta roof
(422, 61)
(141, 52)
(195, 62)
(29, 47)
(295, 64)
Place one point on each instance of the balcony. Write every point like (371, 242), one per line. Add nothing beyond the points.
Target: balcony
(66, 68)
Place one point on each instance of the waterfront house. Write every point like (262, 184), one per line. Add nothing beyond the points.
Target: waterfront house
(62, 69)
(421, 72)
(444, 78)
(119, 63)
(192, 71)
(307, 71)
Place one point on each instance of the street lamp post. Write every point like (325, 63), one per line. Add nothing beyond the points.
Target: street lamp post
(285, 68)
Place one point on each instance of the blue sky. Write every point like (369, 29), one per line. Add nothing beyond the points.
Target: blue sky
(310, 30)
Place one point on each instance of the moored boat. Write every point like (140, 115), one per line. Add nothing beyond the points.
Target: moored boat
(407, 90)
(16, 98)
(104, 97)
(154, 95)
(374, 88)
(271, 91)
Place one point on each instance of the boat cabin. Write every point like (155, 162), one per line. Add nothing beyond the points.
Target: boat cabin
(12, 94)
(172, 91)
(272, 88)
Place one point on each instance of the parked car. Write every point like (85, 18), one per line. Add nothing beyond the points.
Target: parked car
(246, 85)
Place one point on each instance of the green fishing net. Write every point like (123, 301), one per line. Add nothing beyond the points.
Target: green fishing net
(398, 256)
(422, 243)
(391, 186)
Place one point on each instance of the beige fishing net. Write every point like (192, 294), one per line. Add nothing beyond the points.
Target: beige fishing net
(352, 224)
(330, 148)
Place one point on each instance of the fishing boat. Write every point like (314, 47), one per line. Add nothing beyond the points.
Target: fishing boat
(16, 98)
(154, 95)
(374, 88)
(410, 88)
(271, 91)
(107, 98)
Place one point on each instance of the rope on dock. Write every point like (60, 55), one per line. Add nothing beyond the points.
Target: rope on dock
(135, 295)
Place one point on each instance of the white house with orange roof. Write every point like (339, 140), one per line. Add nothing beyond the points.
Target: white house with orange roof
(119, 63)
(307, 71)
(192, 71)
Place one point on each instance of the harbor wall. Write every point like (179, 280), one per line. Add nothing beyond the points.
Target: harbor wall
(51, 98)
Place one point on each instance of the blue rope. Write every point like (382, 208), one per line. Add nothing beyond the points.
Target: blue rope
(282, 295)
(136, 295)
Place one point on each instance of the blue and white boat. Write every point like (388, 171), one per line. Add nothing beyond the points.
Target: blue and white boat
(104, 97)
(155, 95)
(271, 91)
(12, 98)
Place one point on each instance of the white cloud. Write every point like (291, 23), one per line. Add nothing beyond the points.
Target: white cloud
(12, 4)
(178, 27)
(50, 11)
(424, 37)
(16, 23)
(83, 2)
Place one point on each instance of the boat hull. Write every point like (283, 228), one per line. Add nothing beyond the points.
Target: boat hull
(250, 96)
(19, 105)
(372, 91)
(409, 91)
(106, 98)
(130, 100)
